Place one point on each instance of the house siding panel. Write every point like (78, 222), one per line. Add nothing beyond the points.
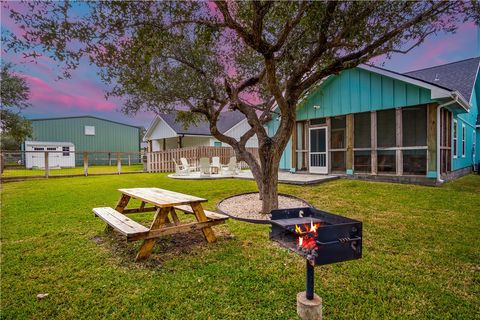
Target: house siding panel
(286, 159)
(387, 93)
(469, 120)
(365, 91)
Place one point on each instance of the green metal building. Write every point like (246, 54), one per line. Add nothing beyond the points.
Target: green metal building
(88, 133)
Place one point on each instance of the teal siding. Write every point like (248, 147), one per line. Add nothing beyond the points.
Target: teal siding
(358, 90)
(286, 159)
(109, 136)
(469, 120)
(476, 97)
(477, 147)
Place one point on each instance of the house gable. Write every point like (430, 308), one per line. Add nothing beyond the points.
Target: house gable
(359, 90)
(159, 129)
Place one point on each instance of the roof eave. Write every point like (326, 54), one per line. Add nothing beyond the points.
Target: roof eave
(460, 99)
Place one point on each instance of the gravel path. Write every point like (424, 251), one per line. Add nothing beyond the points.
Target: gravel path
(248, 206)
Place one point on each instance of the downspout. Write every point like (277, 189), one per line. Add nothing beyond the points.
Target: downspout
(440, 106)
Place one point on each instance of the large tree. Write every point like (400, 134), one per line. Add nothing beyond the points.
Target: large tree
(258, 57)
(14, 93)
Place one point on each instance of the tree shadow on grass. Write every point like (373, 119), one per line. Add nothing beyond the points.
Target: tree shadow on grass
(167, 248)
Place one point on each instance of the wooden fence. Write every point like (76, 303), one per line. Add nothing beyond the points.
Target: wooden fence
(162, 161)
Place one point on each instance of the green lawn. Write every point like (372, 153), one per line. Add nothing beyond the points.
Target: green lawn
(23, 172)
(421, 255)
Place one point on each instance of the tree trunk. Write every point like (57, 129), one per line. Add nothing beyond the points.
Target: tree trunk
(269, 189)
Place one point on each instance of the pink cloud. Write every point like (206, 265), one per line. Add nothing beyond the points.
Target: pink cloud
(41, 94)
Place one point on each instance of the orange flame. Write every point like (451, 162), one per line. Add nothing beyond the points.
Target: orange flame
(308, 240)
(298, 230)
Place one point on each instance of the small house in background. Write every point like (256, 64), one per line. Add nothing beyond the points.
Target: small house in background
(166, 133)
(102, 138)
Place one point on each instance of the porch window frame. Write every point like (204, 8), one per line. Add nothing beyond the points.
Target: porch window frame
(362, 149)
(455, 139)
(333, 150)
(464, 142)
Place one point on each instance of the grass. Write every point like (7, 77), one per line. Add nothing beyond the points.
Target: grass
(23, 172)
(421, 255)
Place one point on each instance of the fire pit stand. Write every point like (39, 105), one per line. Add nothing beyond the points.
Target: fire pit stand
(310, 281)
(309, 304)
(321, 238)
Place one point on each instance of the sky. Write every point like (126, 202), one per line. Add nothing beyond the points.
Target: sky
(84, 93)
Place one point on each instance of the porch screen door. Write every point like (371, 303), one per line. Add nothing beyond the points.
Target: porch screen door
(318, 150)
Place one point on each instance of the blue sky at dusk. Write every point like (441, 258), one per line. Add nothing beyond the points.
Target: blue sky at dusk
(84, 93)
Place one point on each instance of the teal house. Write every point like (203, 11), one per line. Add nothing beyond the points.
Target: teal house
(372, 123)
(102, 138)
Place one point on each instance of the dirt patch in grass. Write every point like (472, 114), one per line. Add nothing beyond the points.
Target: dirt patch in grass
(166, 248)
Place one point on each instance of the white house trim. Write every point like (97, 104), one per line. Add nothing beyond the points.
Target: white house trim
(237, 125)
(154, 125)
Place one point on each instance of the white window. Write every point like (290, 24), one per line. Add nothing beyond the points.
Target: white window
(463, 140)
(455, 138)
(66, 151)
(38, 149)
(89, 130)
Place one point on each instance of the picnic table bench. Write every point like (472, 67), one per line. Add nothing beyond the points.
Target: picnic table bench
(164, 203)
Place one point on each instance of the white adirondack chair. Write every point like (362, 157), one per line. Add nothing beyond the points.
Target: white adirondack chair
(216, 164)
(204, 167)
(187, 166)
(180, 170)
(230, 168)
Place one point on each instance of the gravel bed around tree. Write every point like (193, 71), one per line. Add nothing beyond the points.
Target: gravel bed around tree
(249, 206)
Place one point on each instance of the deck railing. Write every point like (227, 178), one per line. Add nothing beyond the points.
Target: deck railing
(162, 161)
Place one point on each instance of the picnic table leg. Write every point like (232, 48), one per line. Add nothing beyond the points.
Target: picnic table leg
(201, 217)
(121, 204)
(175, 219)
(160, 219)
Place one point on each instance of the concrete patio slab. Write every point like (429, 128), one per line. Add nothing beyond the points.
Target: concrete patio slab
(296, 178)
(283, 177)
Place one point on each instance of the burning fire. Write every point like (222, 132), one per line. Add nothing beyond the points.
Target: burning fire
(306, 235)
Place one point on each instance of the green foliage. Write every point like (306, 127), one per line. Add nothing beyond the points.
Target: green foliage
(15, 129)
(14, 89)
(14, 97)
(420, 258)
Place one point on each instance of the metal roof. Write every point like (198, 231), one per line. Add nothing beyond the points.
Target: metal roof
(48, 143)
(459, 75)
(92, 117)
(225, 121)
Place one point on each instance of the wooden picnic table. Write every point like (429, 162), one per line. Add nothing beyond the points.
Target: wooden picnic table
(164, 203)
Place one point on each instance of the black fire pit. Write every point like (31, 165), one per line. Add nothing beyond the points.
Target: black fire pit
(318, 236)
